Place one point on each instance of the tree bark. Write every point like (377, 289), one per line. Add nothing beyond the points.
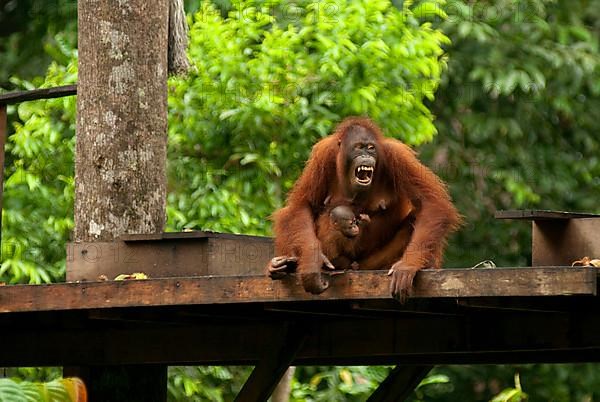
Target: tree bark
(283, 389)
(120, 161)
(120, 168)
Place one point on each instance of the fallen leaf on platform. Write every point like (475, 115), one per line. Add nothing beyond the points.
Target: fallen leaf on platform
(587, 262)
(134, 276)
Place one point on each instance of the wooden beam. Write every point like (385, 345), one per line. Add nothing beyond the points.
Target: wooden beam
(273, 364)
(445, 283)
(400, 383)
(36, 94)
(476, 337)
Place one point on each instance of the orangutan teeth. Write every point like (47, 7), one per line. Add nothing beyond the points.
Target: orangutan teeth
(364, 174)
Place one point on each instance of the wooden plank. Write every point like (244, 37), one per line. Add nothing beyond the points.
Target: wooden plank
(542, 281)
(535, 214)
(273, 364)
(445, 283)
(194, 234)
(36, 94)
(565, 241)
(400, 383)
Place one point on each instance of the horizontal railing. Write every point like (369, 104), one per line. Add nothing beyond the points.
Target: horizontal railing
(10, 98)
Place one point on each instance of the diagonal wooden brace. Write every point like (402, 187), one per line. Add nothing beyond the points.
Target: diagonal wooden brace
(398, 385)
(270, 369)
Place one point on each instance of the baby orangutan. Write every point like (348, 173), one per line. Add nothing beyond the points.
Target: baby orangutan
(338, 231)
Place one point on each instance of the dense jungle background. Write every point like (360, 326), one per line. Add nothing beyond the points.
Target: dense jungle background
(501, 98)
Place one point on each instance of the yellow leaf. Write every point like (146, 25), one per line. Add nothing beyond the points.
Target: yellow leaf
(315, 381)
(346, 377)
(135, 275)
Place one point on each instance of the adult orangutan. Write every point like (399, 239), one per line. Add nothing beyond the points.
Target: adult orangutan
(411, 213)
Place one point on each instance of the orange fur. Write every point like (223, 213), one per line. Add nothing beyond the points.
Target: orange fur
(339, 249)
(410, 208)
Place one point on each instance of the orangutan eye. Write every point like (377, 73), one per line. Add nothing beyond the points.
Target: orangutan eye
(371, 147)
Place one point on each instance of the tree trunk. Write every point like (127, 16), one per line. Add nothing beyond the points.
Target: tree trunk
(283, 389)
(120, 168)
(120, 161)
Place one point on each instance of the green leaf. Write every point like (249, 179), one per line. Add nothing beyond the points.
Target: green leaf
(10, 391)
(434, 379)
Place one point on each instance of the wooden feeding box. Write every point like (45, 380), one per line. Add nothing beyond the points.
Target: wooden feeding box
(559, 238)
(182, 254)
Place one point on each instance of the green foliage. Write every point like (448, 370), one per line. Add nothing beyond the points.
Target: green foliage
(206, 383)
(269, 81)
(432, 385)
(542, 382)
(15, 391)
(336, 383)
(32, 374)
(517, 113)
(511, 394)
(353, 383)
(32, 32)
(39, 186)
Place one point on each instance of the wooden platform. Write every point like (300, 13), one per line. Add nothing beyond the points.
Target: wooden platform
(349, 286)
(456, 316)
(186, 316)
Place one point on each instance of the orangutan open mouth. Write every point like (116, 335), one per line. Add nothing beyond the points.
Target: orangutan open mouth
(364, 174)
